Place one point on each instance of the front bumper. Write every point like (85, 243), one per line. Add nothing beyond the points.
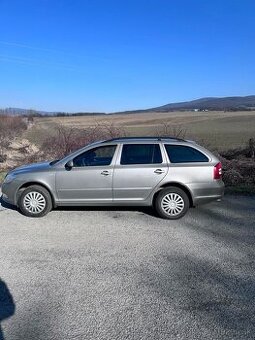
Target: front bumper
(5, 199)
(8, 194)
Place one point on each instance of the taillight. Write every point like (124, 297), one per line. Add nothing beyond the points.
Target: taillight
(217, 171)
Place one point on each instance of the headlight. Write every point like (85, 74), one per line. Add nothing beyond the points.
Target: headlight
(9, 178)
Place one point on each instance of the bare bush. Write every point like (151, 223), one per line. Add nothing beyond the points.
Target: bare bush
(236, 153)
(251, 146)
(238, 171)
(31, 158)
(207, 144)
(167, 129)
(232, 177)
(109, 130)
(10, 128)
(241, 152)
(69, 139)
(3, 158)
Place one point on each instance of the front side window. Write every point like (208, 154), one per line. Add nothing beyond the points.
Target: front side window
(100, 156)
(184, 154)
(140, 154)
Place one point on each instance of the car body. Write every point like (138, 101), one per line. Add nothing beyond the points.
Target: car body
(120, 171)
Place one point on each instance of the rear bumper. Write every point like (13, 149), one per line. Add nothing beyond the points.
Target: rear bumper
(207, 192)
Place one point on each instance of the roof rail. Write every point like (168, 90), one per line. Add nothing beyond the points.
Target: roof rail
(145, 137)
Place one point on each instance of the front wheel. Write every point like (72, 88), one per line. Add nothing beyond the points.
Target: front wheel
(35, 201)
(172, 203)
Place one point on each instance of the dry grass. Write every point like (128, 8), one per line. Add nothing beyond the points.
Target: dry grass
(222, 130)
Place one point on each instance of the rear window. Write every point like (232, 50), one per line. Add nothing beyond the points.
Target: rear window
(141, 154)
(184, 154)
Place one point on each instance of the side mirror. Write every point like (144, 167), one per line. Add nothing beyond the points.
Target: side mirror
(69, 165)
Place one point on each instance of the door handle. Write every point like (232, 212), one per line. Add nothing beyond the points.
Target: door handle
(105, 173)
(159, 171)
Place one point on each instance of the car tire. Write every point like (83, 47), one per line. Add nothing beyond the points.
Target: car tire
(172, 203)
(35, 201)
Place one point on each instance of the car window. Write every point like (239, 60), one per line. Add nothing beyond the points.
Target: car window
(184, 154)
(101, 155)
(140, 154)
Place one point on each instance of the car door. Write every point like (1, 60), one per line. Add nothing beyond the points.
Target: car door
(89, 180)
(138, 170)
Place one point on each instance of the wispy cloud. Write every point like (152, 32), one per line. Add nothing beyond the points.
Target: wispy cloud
(39, 63)
(42, 49)
(30, 47)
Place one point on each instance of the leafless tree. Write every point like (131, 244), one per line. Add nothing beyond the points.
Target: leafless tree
(167, 129)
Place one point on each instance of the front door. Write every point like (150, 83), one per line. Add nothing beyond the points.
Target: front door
(90, 178)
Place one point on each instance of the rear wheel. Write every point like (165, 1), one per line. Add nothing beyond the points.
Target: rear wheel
(35, 201)
(172, 203)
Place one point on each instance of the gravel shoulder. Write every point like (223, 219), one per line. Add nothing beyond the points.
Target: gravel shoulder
(109, 274)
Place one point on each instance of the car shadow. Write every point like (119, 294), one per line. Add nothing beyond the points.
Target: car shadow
(143, 210)
(7, 306)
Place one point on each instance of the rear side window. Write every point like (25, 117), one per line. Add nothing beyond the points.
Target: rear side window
(140, 154)
(184, 154)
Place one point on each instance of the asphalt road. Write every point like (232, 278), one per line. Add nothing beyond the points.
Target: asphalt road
(125, 274)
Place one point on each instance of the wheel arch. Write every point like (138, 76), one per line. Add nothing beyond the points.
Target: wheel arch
(28, 184)
(177, 185)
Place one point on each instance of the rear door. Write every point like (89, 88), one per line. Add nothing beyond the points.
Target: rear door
(138, 170)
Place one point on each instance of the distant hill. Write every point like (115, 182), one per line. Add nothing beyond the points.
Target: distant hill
(211, 103)
(26, 112)
(17, 112)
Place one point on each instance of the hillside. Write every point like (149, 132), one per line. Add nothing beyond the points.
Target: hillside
(212, 103)
(209, 103)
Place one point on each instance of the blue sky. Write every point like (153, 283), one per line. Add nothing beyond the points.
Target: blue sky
(111, 55)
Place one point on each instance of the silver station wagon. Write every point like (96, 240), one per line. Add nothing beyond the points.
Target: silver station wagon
(169, 174)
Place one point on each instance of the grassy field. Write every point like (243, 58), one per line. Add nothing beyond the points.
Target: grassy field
(222, 130)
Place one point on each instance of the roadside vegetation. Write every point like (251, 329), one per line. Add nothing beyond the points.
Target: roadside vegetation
(10, 128)
(67, 139)
(61, 139)
(239, 168)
